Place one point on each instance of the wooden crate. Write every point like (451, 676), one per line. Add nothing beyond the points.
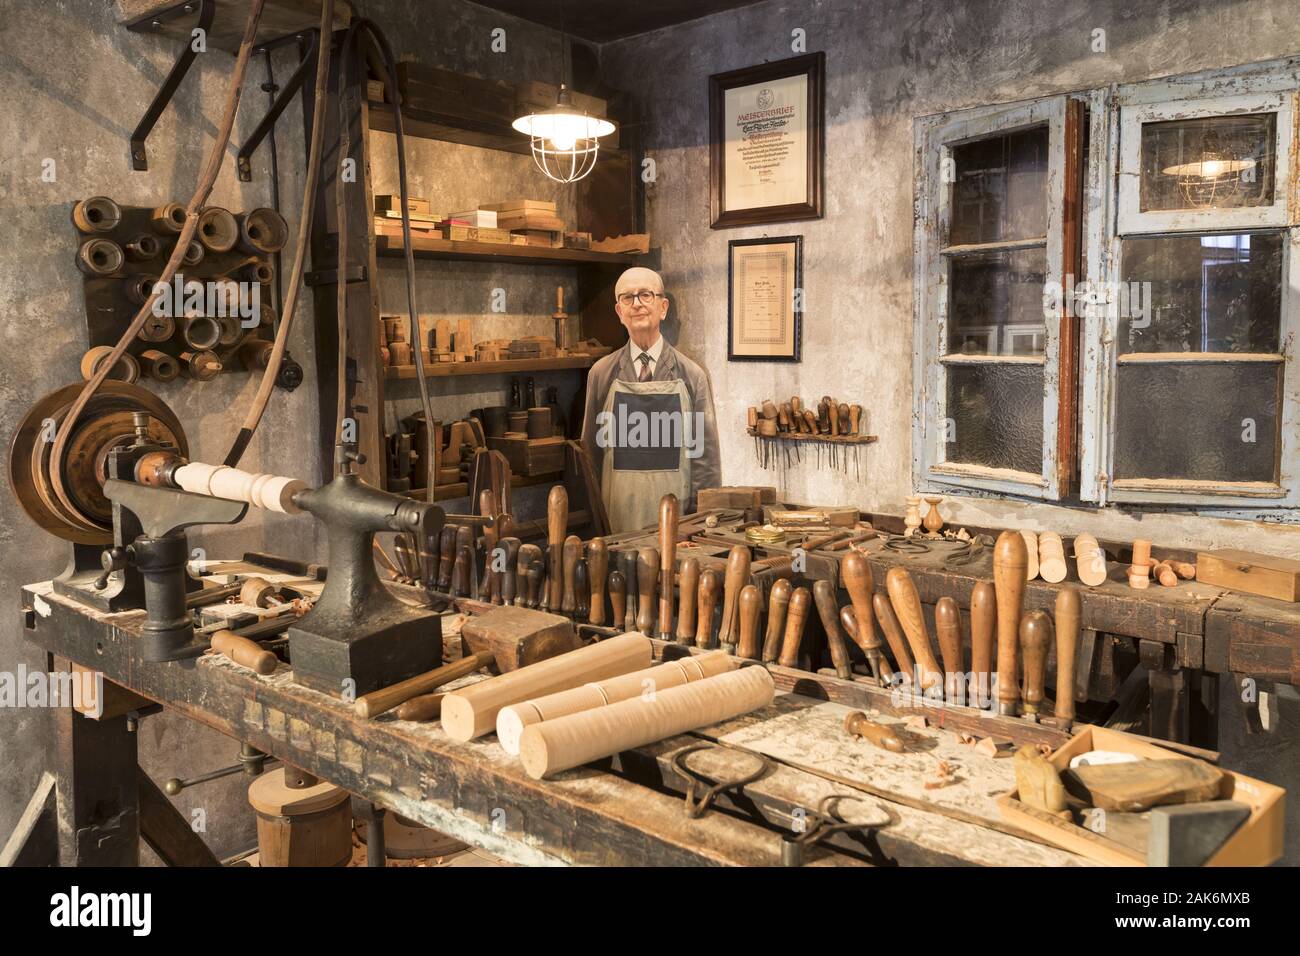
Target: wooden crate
(1263, 574)
(1257, 842)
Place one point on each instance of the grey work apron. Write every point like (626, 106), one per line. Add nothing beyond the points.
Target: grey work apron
(641, 464)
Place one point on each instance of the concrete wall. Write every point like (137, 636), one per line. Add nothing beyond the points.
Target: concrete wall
(76, 85)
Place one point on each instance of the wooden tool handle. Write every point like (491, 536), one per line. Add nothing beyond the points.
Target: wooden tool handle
(855, 573)
(1069, 614)
(893, 635)
(907, 607)
(843, 419)
(707, 601)
(810, 421)
(669, 514)
(618, 596)
(738, 562)
(778, 600)
(855, 419)
(510, 571)
(1035, 637)
(245, 652)
(386, 698)
(460, 571)
(688, 583)
(647, 571)
(983, 622)
(627, 561)
(536, 572)
(833, 411)
(795, 619)
(529, 554)
(751, 604)
(447, 556)
(1009, 563)
(557, 524)
(1031, 554)
(572, 551)
(947, 628)
(598, 568)
(424, 707)
(829, 610)
(857, 724)
(581, 591)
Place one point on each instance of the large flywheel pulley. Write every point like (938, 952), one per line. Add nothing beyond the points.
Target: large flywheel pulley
(70, 502)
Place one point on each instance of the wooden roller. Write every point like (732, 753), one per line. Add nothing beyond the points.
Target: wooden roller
(829, 611)
(668, 519)
(707, 600)
(1009, 563)
(1051, 558)
(855, 573)
(907, 607)
(647, 574)
(386, 698)
(617, 596)
(893, 635)
(688, 583)
(557, 523)
(1090, 560)
(983, 622)
(472, 711)
(795, 620)
(1068, 617)
(598, 570)
(1035, 637)
(557, 745)
(571, 552)
(737, 577)
(512, 720)
(1031, 552)
(627, 561)
(778, 600)
(751, 604)
(245, 652)
(947, 628)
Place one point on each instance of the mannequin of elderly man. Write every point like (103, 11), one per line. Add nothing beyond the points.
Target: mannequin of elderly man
(649, 427)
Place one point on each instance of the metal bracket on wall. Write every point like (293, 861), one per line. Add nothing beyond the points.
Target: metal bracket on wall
(207, 10)
(308, 43)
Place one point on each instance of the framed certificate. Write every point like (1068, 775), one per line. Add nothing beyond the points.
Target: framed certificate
(766, 138)
(765, 299)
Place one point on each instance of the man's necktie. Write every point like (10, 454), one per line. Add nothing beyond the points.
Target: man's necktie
(644, 374)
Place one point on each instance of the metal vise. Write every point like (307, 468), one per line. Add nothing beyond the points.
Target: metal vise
(359, 637)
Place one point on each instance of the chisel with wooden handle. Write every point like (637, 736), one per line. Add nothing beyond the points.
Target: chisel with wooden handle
(1068, 619)
(529, 554)
(907, 607)
(707, 600)
(460, 584)
(509, 556)
(1010, 562)
(618, 597)
(598, 569)
(947, 628)
(557, 523)
(751, 605)
(447, 556)
(737, 577)
(795, 619)
(1035, 637)
(386, 698)
(581, 591)
(983, 623)
(855, 572)
(829, 611)
(536, 577)
(857, 724)
(893, 635)
(570, 553)
(778, 600)
(647, 572)
(668, 517)
(627, 561)
(849, 621)
(688, 583)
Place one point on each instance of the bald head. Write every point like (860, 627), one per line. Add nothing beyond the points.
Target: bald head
(637, 278)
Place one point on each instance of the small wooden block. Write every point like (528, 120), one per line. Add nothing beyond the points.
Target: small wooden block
(519, 636)
(1141, 785)
(1261, 574)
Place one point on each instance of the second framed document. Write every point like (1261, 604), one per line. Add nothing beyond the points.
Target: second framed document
(765, 299)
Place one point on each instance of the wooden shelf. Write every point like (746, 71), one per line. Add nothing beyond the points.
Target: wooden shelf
(504, 367)
(428, 248)
(461, 488)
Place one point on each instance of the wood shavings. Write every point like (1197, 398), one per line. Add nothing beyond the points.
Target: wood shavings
(916, 722)
(942, 776)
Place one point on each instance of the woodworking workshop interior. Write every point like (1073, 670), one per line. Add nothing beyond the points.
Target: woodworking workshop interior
(650, 433)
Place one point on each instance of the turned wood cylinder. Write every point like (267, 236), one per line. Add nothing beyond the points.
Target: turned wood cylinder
(1009, 563)
(1068, 617)
(688, 583)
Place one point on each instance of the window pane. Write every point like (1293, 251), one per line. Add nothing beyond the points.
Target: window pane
(1220, 162)
(1000, 191)
(1198, 422)
(1197, 293)
(995, 304)
(997, 416)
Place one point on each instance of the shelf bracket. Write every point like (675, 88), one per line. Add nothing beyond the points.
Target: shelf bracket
(207, 10)
(290, 89)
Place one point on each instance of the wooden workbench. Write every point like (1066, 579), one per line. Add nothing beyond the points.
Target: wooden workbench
(627, 811)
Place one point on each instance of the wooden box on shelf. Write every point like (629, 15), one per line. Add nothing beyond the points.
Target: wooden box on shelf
(530, 456)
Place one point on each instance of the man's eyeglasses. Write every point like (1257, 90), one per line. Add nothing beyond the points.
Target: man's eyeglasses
(645, 297)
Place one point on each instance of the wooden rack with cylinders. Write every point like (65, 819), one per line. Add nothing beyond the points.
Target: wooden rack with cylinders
(782, 432)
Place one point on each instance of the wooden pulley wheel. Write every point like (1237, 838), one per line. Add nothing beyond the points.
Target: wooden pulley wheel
(82, 514)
